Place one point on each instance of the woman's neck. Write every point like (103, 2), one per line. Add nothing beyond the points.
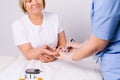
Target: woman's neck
(36, 19)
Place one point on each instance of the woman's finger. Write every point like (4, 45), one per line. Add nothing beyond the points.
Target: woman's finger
(43, 58)
(50, 57)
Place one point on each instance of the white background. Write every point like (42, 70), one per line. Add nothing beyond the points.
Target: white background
(75, 15)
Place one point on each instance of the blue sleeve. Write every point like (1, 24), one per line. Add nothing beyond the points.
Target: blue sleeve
(105, 18)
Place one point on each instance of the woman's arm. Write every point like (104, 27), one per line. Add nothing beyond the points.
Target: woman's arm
(61, 39)
(61, 43)
(29, 52)
(35, 53)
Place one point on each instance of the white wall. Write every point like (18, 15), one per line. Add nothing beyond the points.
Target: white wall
(75, 17)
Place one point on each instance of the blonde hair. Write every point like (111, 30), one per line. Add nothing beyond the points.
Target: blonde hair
(22, 5)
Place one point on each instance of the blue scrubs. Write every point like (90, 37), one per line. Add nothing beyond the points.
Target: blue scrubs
(105, 20)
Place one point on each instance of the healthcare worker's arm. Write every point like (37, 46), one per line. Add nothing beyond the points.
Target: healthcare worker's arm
(104, 19)
(92, 46)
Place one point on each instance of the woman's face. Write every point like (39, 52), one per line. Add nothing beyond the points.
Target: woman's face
(34, 6)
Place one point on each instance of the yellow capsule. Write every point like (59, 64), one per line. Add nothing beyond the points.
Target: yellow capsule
(21, 79)
(40, 78)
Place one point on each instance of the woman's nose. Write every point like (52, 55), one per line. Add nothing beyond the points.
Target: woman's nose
(34, 2)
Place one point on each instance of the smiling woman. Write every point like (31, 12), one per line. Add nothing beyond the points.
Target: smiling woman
(31, 31)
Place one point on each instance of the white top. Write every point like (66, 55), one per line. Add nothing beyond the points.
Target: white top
(46, 33)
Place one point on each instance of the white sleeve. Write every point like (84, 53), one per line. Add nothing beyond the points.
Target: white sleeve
(19, 33)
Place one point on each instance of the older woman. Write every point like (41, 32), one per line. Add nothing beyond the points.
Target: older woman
(37, 30)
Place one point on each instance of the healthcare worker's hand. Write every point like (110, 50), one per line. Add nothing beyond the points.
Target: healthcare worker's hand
(67, 53)
(73, 45)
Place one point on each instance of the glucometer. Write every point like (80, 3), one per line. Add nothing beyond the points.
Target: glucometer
(32, 74)
(32, 71)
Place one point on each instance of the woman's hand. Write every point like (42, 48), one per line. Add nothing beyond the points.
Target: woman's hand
(58, 53)
(44, 57)
(61, 54)
(65, 53)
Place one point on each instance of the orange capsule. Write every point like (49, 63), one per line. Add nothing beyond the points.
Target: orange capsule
(40, 78)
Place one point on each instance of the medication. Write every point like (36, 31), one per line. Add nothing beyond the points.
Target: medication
(40, 78)
(21, 79)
